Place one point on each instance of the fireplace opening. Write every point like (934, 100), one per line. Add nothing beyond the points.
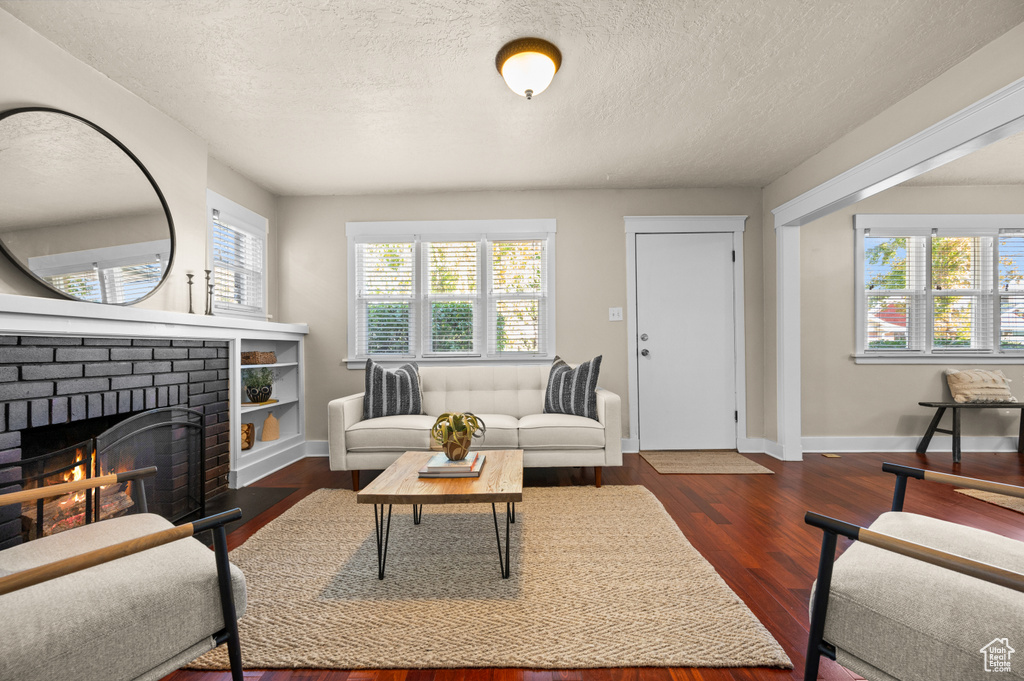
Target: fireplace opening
(170, 438)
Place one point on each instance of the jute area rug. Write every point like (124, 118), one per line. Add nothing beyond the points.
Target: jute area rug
(703, 462)
(1012, 503)
(600, 578)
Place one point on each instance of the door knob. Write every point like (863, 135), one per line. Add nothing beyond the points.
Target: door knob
(645, 352)
(643, 336)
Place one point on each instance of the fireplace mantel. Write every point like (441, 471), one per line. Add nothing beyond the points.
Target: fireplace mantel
(30, 315)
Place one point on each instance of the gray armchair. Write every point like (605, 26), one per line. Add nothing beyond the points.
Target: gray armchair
(132, 597)
(919, 598)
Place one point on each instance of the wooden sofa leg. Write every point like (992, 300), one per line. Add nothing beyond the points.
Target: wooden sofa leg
(355, 481)
(597, 476)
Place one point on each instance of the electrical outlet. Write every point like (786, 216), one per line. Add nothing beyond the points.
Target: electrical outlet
(615, 314)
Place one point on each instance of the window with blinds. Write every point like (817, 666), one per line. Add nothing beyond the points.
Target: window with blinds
(422, 297)
(115, 275)
(937, 285)
(238, 258)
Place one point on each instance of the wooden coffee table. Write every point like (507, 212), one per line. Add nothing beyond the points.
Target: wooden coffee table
(501, 480)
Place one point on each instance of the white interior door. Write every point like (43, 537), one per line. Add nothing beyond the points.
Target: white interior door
(686, 363)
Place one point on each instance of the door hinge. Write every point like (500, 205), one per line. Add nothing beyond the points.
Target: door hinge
(736, 416)
(734, 256)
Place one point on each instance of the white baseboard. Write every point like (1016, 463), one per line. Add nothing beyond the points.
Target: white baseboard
(906, 443)
(630, 445)
(750, 445)
(257, 470)
(317, 448)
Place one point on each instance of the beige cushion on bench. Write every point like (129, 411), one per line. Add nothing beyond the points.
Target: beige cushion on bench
(916, 621)
(115, 621)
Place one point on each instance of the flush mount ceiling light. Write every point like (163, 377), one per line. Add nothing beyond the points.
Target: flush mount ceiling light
(528, 65)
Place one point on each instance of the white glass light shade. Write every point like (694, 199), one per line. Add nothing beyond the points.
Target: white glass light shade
(528, 72)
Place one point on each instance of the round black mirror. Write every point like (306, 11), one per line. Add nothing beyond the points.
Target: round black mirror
(78, 211)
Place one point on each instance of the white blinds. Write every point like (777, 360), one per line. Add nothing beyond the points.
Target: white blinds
(131, 282)
(238, 264)
(518, 294)
(1011, 290)
(943, 292)
(423, 298)
(385, 294)
(452, 295)
(84, 284)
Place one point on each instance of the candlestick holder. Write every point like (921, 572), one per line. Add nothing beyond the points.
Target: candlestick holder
(189, 276)
(209, 294)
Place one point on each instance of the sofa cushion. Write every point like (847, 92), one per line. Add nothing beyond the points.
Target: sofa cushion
(388, 433)
(502, 432)
(512, 390)
(559, 431)
(912, 620)
(113, 621)
(572, 391)
(391, 392)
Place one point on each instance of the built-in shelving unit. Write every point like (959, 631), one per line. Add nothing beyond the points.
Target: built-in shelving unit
(289, 410)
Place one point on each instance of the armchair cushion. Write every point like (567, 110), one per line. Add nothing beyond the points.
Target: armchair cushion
(914, 620)
(119, 620)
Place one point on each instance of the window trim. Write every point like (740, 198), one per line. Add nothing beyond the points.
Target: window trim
(422, 231)
(244, 220)
(909, 225)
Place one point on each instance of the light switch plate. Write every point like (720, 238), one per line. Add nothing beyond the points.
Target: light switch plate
(615, 314)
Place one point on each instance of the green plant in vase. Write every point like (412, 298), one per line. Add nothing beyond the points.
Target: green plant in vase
(259, 384)
(454, 431)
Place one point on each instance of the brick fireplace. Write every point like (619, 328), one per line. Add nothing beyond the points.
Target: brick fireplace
(48, 381)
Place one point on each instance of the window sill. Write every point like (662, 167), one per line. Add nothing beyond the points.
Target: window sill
(356, 363)
(950, 359)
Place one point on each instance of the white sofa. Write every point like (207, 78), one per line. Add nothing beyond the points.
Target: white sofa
(510, 400)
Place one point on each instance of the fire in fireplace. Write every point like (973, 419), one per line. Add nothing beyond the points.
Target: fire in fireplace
(169, 438)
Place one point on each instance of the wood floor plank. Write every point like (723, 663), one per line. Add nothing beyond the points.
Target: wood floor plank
(749, 527)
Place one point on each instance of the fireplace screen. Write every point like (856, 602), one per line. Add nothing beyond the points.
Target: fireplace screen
(170, 439)
(56, 514)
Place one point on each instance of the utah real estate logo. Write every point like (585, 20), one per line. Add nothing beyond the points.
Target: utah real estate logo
(997, 655)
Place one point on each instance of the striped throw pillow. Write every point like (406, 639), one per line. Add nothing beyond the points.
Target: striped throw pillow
(571, 391)
(391, 392)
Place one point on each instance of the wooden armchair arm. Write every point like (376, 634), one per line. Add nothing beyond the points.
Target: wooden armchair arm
(42, 573)
(76, 486)
(949, 561)
(903, 473)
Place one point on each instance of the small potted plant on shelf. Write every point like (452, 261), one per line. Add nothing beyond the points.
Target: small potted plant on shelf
(455, 430)
(259, 384)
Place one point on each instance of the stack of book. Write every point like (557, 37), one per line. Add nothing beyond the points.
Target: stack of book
(440, 466)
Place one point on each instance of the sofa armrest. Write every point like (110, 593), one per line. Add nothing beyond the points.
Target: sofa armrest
(342, 414)
(609, 415)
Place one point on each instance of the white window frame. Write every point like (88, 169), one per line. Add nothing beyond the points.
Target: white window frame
(484, 232)
(926, 226)
(244, 220)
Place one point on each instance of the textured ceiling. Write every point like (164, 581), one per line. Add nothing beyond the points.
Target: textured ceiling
(318, 97)
(58, 170)
(999, 163)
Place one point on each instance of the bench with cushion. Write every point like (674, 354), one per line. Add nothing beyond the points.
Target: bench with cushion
(509, 399)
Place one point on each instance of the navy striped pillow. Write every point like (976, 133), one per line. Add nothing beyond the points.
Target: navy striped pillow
(391, 393)
(571, 391)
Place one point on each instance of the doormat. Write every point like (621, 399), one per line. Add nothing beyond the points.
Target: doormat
(704, 463)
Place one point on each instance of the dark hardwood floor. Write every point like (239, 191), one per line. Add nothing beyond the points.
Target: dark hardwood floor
(750, 527)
